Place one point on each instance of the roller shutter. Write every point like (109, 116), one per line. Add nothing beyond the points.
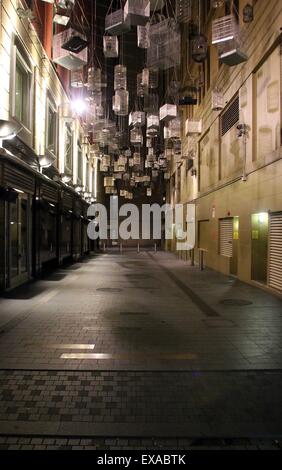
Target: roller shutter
(226, 237)
(275, 251)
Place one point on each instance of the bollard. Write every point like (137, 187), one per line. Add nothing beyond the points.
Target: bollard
(192, 258)
(155, 248)
(138, 247)
(104, 247)
(120, 247)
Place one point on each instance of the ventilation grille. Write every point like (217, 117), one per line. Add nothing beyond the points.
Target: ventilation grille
(226, 237)
(230, 117)
(275, 252)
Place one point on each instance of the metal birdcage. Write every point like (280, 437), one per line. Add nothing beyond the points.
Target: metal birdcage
(116, 23)
(121, 102)
(143, 36)
(150, 77)
(110, 46)
(77, 78)
(109, 181)
(136, 158)
(137, 12)
(168, 112)
(94, 80)
(151, 103)
(137, 118)
(174, 128)
(120, 77)
(142, 89)
(217, 100)
(224, 29)
(164, 50)
(199, 48)
(183, 11)
(136, 136)
(69, 59)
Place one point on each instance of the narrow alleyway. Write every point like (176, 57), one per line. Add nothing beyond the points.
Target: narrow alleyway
(139, 346)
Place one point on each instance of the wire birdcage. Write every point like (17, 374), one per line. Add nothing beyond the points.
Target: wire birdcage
(69, 59)
(136, 118)
(168, 112)
(120, 77)
(116, 23)
(174, 127)
(142, 89)
(165, 45)
(121, 102)
(199, 48)
(150, 77)
(77, 78)
(193, 126)
(217, 100)
(94, 80)
(136, 136)
(224, 29)
(183, 11)
(143, 36)
(137, 12)
(110, 46)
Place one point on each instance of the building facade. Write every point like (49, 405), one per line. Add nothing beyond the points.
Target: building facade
(231, 163)
(47, 176)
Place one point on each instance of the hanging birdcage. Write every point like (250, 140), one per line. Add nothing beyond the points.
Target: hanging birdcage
(193, 126)
(150, 77)
(153, 121)
(217, 100)
(110, 46)
(143, 37)
(224, 29)
(165, 45)
(149, 192)
(136, 158)
(151, 103)
(69, 49)
(110, 190)
(77, 78)
(137, 12)
(142, 90)
(183, 11)
(136, 118)
(174, 127)
(106, 161)
(127, 153)
(121, 102)
(149, 142)
(199, 48)
(94, 79)
(168, 112)
(116, 23)
(136, 136)
(130, 162)
(120, 77)
(155, 173)
(109, 181)
(230, 53)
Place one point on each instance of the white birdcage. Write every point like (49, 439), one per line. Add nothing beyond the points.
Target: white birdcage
(164, 50)
(116, 23)
(155, 173)
(166, 133)
(143, 36)
(142, 90)
(136, 136)
(217, 100)
(153, 121)
(130, 162)
(193, 126)
(150, 77)
(106, 160)
(149, 142)
(136, 158)
(168, 112)
(110, 190)
(110, 46)
(183, 11)
(77, 78)
(120, 77)
(121, 102)
(122, 160)
(224, 29)
(149, 192)
(137, 12)
(174, 127)
(137, 118)
(66, 58)
(127, 153)
(230, 53)
(109, 181)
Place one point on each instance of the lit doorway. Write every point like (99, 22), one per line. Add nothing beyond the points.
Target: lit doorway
(259, 247)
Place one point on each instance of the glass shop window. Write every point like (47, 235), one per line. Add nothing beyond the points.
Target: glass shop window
(51, 127)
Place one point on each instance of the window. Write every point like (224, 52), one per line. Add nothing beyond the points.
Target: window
(51, 127)
(79, 162)
(68, 147)
(22, 88)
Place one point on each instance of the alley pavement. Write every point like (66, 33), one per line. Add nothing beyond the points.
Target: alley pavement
(139, 346)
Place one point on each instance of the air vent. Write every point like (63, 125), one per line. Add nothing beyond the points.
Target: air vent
(230, 117)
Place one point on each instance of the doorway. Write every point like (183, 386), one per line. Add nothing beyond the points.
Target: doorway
(18, 227)
(259, 246)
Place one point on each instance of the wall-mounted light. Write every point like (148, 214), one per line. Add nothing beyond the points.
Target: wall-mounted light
(8, 130)
(263, 217)
(79, 106)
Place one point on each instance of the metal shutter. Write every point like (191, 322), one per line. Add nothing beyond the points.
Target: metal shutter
(275, 251)
(226, 237)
